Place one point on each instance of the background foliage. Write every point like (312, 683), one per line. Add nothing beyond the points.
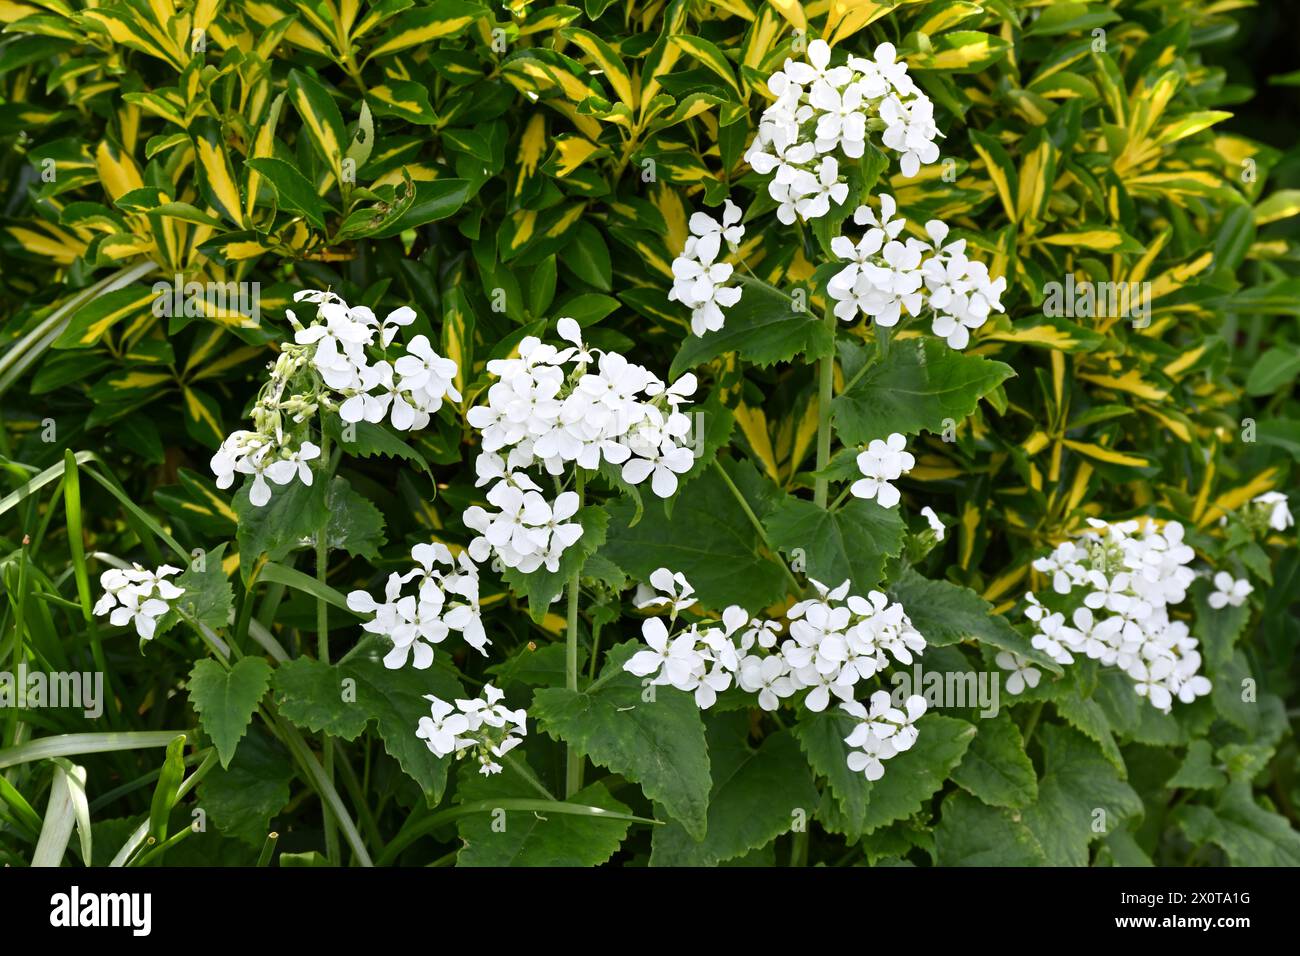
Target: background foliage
(434, 153)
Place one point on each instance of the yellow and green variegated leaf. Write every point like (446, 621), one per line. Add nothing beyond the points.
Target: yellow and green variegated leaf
(690, 106)
(999, 168)
(321, 118)
(548, 18)
(545, 72)
(683, 168)
(458, 335)
(1282, 204)
(609, 62)
(216, 174)
(117, 170)
(1100, 239)
(792, 10)
(415, 27)
(41, 25)
(378, 14)
(532, 148)
(123, 246)
(1063, 85)
(962, 51)
(571, 152)
(202, 417)
(710, 56)
(89, 323)
(164, 103)
(1189, 125)
(263, 148)
(48, 241)
(403, 99)
(1107, 455)
(160, 144)
(10, 11)
(122, 25)
(1037, 175)
(945, 16)
(762, 37)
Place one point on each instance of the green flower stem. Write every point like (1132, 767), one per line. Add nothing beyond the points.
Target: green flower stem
(1032, 723)
(825, 386)
(758, 525)
(799, 848)
(323, 646)
(573, 759)
(15, 723)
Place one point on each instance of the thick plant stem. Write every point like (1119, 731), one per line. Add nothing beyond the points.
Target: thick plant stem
(825, 385)
(573, 759)
(323, 648)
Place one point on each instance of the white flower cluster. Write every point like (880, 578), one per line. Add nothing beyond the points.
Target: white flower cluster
(1129, 574)
(483, 725)
(138, 596)
(823, 113)
(698, 277)
(884, 462)
(443, 601)
(886, 277)
(883, 731)
(835, 641)
(555, 408)
(327, 365)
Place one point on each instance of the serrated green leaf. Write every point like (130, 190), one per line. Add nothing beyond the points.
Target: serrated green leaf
(996, 768)
(764, 327)
(918, 387)
(532, 837)
(657, 743)
(226, 699)
(757, 795)
(852, 542)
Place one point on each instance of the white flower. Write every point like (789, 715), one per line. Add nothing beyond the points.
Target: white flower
(672, 589)
(910, 130)
(426, 374)
(817, 189)
(1228, 590)
(662, 467)
(882, 732)
(422, 606)
(483, 724)
(1023, 674)
(138, 597)
(698, 280)
(936, 525)
(710, 232)
(327, 367)
(442, 729)
(1279, 514)
(294, 465)
(880, 464)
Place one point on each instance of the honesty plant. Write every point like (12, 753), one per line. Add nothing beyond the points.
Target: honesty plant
(679, 455)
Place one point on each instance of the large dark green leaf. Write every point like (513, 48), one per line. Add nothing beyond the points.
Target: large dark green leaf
(919, 386)
(764, 327)
(654, 739)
